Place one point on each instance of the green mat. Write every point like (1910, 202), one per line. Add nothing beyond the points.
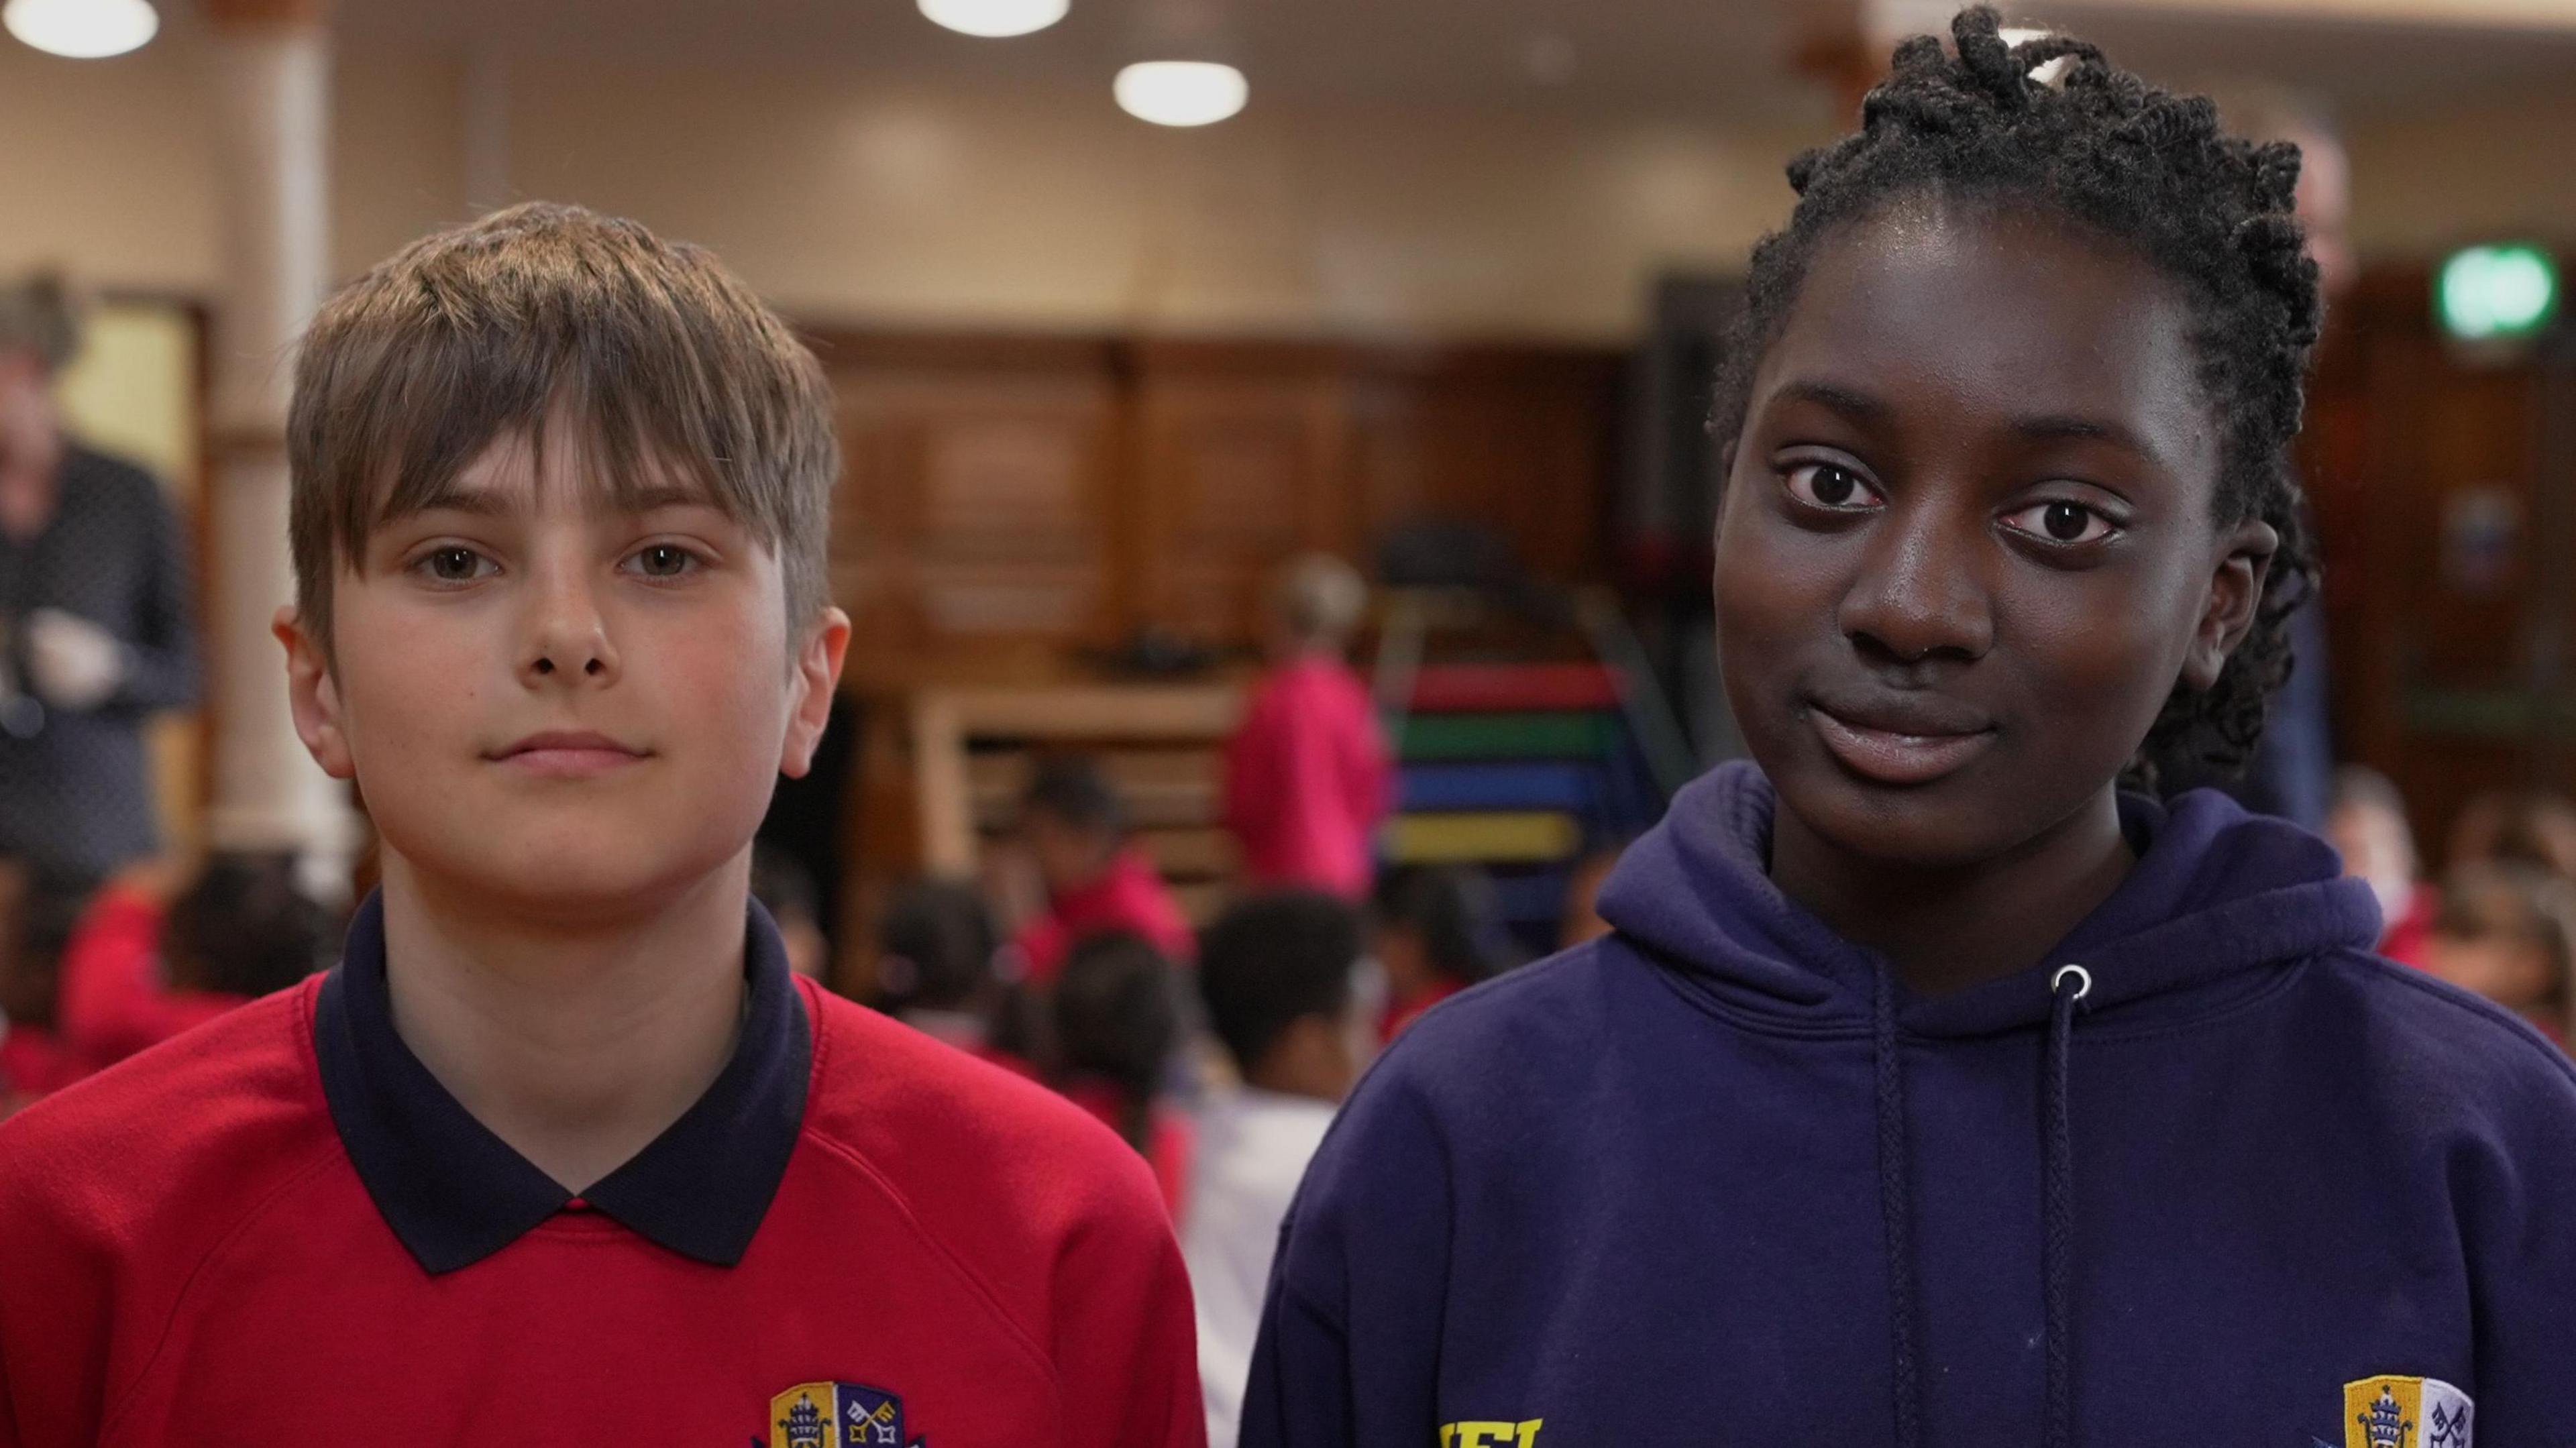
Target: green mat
(1584, 735)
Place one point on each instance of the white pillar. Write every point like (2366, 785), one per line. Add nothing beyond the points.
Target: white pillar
(272, 93)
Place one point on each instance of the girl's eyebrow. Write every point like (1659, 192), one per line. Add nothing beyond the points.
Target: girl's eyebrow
(2059, 427)
(1852, 403)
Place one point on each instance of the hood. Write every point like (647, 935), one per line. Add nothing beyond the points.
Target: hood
(2216, 894)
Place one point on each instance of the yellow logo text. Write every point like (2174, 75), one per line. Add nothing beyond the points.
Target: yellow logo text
(1491, 1435)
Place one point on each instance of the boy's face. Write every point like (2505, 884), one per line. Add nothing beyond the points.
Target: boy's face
(1967, 548)
(555, 706)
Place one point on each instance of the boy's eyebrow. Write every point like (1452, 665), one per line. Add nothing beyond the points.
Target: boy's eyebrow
(494, 503)
(480, 503)
(663, 495)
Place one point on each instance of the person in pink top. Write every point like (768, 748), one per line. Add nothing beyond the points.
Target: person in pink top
(1307, 776)
(1074, 827)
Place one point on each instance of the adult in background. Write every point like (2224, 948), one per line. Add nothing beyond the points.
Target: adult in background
(1308, 776)
(94, 613)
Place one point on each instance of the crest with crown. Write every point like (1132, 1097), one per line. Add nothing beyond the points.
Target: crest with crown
(805, 1425)
(2386, 1425)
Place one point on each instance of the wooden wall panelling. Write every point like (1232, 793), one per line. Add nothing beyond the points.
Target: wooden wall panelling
(2442, 664)
(1517, 440)
(975, 508)
(1239, 463)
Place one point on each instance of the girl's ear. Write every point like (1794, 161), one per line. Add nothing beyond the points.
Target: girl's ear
(2235, 600)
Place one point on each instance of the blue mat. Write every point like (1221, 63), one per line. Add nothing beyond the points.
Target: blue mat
(1573, 788)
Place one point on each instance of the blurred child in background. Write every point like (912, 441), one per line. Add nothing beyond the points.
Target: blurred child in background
(1117, 1015)
(1074, 826)
(786, 890)
(938, 971)
(158, 952)
(1307, 777)
(2507, 930)
(2366, 823)
(2530, 828)
(1287, 992)
(37, 912)
(1435, 930)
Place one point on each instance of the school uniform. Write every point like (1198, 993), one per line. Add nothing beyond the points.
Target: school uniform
(1253, 1149)
(1129, 896)
(114, 997)
(1308, 779)
(1719, 1178)
(280, 1228)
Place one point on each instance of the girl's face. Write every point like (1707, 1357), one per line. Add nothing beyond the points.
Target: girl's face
(1967, 545)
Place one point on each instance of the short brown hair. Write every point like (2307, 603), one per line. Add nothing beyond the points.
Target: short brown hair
(545, 311)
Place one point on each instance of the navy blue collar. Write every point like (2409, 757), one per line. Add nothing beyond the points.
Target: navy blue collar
(455, 1193)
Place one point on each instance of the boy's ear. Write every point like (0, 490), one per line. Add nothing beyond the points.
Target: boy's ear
(818, 678)
(2235, 600)
(314, 695)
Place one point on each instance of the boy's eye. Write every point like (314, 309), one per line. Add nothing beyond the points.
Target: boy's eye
(662, 560)
(2060, 522)
(453, 564)
(1832, 487)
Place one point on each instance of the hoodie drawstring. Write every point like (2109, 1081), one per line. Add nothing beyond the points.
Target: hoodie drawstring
(1896, 1209)
(2066, 989)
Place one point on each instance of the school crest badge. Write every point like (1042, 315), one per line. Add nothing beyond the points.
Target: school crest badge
(837, 1415)
(2405, 1413)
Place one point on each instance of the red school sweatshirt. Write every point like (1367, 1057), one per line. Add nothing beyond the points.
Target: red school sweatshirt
(279, 1228)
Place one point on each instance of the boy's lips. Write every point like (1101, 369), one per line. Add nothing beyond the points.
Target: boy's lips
(565, 755)
(1900, 744)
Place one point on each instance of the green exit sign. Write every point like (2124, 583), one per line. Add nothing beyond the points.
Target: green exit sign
(2496, 293)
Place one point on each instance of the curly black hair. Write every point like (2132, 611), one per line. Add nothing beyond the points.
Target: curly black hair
(2151, 170)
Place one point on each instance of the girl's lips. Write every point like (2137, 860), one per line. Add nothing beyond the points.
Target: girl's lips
(1893, 758)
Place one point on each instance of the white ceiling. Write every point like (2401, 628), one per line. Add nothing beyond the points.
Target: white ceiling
(1719, 58)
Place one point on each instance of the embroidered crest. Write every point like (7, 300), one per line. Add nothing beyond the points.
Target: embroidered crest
(837, 1415)
(2405, 1413)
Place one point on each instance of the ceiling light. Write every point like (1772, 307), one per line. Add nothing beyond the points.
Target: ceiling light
(81, 29)
(1181, 92)
(995, 18)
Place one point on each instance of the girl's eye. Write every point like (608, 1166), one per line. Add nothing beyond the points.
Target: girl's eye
(1832, 487)
(454, 564)
(2061, 522)
(663, 560)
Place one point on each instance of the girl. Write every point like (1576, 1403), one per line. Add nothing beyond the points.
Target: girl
(1930, 1090)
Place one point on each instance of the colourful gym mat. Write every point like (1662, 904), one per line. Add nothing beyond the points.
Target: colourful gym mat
(1573, 787)
(1506, 736)
(1519, 836)
(1455, 688)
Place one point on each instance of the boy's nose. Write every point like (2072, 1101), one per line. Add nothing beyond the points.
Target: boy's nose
(568, 640)
(1920, 591)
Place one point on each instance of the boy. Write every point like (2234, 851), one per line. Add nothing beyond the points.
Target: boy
(561, 1152)
(1307, 779)
(1075, 828)
(1280, 975)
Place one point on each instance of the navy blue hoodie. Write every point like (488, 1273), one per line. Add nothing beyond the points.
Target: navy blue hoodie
(1718, 1179)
